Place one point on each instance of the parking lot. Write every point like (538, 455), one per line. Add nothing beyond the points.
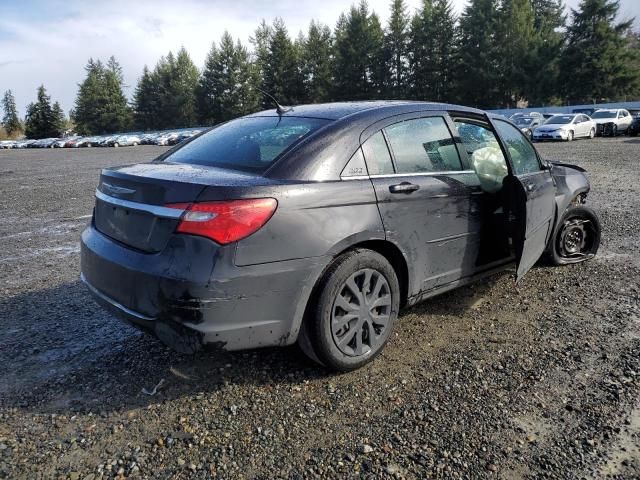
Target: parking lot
(539, 380)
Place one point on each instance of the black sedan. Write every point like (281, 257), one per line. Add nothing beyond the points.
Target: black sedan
(634, 128)
(317, 224)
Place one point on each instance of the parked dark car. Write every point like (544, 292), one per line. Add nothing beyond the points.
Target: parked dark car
(528, 124)
(634, 128)
(149, 138)
(584, 111)
(89, 142)
(318, 224)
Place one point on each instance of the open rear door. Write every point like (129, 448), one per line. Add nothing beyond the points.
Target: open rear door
(530, 198)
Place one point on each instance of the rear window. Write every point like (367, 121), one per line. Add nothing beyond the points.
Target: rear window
(247, 144)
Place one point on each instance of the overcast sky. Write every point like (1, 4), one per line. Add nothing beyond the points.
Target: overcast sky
(49, 41)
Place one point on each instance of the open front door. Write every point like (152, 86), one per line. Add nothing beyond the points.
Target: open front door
(530, 196)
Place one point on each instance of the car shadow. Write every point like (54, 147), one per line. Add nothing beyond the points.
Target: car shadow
(633, 141)
(62, 353)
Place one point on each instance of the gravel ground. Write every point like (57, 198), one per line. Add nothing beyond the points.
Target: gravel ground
(491, 380)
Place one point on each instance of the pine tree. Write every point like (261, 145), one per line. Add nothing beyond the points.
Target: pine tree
(118, 116)
(516, 45)
(316, 59)
(432, 56)
(167, 97)
(88, 106)
(183, 87)
(59, 119)
(281, 70)
(396, 51)
(227, 86)
(478, 63)
(101, 106)
(359, 66)
(41, 121)
(162, 77)
(260, 41)
(596, 66)
(10, 119)
(548, 43)
(145, 101)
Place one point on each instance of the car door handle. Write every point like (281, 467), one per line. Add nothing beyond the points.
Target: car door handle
(531, 187)
(404, 187)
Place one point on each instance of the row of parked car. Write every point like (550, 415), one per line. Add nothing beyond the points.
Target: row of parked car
(581, 123)
(122, 140)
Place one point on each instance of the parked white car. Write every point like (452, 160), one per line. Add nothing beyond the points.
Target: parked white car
(612, 121)
(566, 127)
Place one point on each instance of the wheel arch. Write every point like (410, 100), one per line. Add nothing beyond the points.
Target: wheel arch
(387, 249)
(394, 256)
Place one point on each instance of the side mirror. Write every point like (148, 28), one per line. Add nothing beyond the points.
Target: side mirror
(547, 165)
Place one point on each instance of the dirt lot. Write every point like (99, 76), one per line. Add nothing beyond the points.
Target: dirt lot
(536, 381)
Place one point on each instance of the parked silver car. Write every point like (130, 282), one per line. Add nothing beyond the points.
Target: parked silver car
(125, 141)
(566, 127)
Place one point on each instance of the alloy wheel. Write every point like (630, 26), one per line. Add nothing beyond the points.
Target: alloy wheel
(361, 313)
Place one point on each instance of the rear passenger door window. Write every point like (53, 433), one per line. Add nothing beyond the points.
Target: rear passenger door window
(423, 145)
(376, 154)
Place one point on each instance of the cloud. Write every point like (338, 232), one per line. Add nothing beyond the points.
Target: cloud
(49, 41)
(53, 41)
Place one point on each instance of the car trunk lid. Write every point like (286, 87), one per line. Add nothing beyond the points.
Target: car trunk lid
(131, 201)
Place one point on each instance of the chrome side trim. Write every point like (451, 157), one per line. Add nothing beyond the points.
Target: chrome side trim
(355, 177)
(453, 237)
(423, 174)
(157, 210)
(112, 302)
(116, 189)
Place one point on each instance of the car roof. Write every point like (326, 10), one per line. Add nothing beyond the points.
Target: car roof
(323, 154)
(339, 110)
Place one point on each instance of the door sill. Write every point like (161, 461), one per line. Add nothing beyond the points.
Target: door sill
(490, 269)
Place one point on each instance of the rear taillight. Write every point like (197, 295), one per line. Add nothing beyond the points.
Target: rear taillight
(226, 221)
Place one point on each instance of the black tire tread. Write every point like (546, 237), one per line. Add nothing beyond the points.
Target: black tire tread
(312, 328)
(552, 254)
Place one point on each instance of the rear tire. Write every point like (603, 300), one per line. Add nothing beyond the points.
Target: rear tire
(354, 312)
(592, 133)
(577, 237)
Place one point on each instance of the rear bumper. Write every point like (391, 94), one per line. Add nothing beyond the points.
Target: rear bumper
(193, 287)
(134, 318)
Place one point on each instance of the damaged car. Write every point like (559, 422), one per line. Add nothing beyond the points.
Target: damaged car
(316, 224)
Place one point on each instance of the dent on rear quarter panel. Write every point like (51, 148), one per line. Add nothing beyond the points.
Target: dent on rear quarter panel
(314, 219)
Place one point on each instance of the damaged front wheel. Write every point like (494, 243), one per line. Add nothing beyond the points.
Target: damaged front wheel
(577, 237)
